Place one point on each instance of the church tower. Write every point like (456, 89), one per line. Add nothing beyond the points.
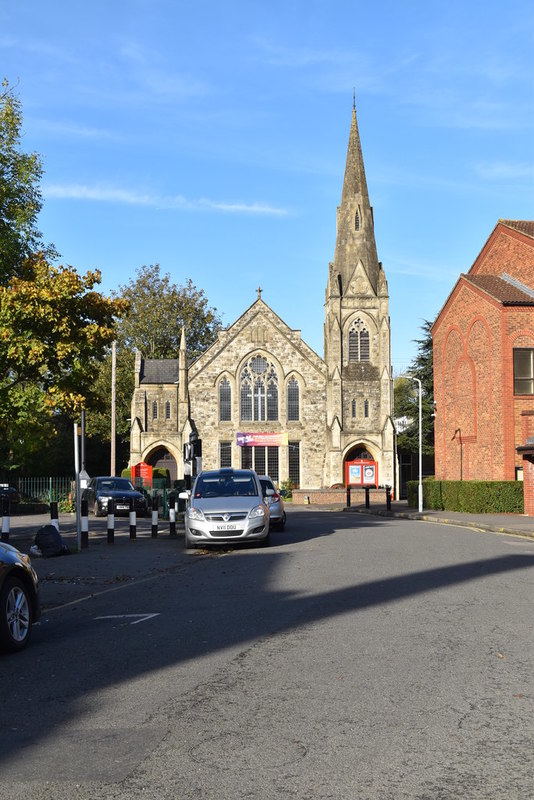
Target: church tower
(357, 334)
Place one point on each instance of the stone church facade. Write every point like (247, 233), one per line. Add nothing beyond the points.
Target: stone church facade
(261, 397)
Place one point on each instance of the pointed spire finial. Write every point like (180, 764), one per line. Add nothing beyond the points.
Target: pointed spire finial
(354, 99)
(259, 291)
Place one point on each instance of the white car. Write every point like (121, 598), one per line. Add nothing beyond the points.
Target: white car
(227, 505)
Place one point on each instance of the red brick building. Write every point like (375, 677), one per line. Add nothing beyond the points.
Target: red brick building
(483, 340)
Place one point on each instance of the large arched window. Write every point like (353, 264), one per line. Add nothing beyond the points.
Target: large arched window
(225, 400)
(293, 400)
(259, 390)
(358, 342)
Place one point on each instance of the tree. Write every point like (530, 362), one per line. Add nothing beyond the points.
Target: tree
(158, 310)
(407, 398)
(20, 195)
(54, 330)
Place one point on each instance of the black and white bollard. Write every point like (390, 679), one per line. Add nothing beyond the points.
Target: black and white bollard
(54, 519)
(5, 519)
(155, 516)
(133, 520)
(172, 522)
(388, 498)
(367, 502)
(348, 496)
(111, 522)
(85, 524)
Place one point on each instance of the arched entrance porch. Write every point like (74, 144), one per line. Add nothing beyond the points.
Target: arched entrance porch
(161, 457)
(360, 468)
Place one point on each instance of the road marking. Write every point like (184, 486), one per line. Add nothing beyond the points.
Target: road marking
(138, 617)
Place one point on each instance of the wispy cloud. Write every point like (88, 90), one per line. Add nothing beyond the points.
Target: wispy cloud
(109, 194)
(75, 130)
(505, 170)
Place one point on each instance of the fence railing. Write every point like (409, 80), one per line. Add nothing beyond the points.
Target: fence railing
(46, 490)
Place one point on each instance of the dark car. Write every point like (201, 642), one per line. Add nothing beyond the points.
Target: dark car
(19, 598)
(103, 489)
(10, 493)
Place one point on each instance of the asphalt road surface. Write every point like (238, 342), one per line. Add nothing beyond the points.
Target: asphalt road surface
(358, 658)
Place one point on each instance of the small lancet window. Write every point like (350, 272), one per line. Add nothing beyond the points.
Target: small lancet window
(357, 221)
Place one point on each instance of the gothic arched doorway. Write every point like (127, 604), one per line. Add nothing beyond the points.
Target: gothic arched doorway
(360, 467)
(162, 459)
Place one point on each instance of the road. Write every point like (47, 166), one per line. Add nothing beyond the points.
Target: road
(358, 658)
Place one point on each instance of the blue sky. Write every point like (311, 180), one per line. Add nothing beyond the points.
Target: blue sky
(210, 137)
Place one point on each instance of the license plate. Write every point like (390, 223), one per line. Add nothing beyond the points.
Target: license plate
(122, 508)
(227, 526)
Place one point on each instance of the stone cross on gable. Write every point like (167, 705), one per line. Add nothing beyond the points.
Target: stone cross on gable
(259, 291)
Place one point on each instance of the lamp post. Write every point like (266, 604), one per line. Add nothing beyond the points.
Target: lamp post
(420, 486)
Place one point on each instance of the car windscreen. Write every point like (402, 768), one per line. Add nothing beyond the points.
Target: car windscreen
(115, 485)
(226, 486)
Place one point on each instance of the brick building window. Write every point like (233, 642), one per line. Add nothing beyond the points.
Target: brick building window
(225, 454)
(358, 342)
(259, 390)
(225, 400)
(293, 401)
(523, 371)
(294, 463)
(265, 460)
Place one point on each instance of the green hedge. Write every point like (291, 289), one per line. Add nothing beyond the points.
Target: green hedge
(473, 497)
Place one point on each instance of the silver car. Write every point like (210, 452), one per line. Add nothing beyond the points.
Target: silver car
(227, 505)
(274, 501)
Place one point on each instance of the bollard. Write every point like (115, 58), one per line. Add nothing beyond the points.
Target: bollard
(388, 498)
(172, 522)
(54, 519)
(85, 524)
(111, 522)
(348, 496)
(367, 497)
(133, 520)
(5, 519)
(155, 516)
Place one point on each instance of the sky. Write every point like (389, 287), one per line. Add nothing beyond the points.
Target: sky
(211, 138)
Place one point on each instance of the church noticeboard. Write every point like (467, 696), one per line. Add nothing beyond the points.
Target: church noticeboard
(261, 439)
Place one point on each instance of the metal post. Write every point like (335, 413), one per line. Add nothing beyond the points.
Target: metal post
(172, 522)
(133, 520)
(77, 488)
(85, 523)
(420, 485)
(367, 502)
(113, 434)
(388, 498)
(155, 501)
(54, 520)
(111, 522)
(5, 519)
(348, 496)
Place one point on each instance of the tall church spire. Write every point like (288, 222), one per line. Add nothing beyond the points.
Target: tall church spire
(355, 240)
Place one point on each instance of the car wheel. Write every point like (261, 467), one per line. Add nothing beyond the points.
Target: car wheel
(282, 523)
(188, 544)
(267, 541)
(15, 615)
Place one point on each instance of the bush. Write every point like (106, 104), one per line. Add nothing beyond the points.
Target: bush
(286, 489)
(472, 497)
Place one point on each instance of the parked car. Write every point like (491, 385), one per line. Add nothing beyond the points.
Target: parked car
(19, 598)
(275, 502)
(10, 492)
(103, 489)
(227, 505)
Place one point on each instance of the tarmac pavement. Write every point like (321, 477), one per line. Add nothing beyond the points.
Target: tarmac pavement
(101, 567)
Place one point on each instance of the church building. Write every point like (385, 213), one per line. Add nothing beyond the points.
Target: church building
(260, 397)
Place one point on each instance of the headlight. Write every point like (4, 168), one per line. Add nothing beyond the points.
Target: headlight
(258, 511)
(195, 513)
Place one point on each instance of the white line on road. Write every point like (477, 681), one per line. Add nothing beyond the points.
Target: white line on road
(138, 617)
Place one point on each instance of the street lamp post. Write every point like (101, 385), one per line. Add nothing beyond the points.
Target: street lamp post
(420, 486)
